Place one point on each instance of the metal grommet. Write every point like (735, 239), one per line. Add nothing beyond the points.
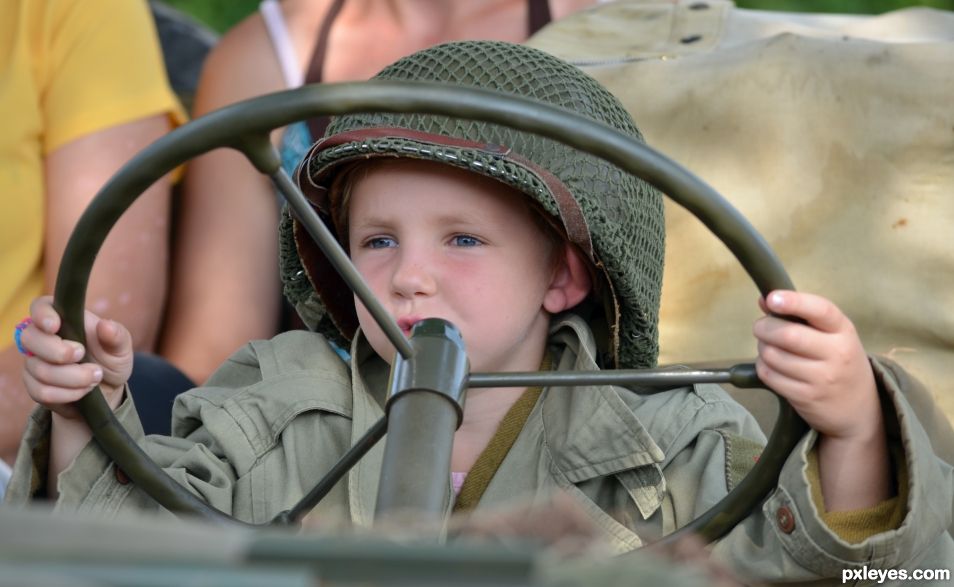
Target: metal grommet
(785, 519)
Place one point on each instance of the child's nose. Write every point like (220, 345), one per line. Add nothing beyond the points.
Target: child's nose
(413, 276)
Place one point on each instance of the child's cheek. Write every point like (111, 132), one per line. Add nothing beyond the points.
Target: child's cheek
(369, 265)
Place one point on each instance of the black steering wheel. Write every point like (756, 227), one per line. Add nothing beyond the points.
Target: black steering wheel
(245, 126)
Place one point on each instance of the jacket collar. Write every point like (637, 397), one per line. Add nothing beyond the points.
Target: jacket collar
(369, 393)
(590, 430)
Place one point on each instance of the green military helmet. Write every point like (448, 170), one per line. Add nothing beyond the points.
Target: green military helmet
(613, 218)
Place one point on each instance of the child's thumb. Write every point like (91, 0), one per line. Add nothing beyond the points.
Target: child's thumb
(114, 337)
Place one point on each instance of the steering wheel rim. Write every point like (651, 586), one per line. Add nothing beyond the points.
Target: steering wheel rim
(246, 126)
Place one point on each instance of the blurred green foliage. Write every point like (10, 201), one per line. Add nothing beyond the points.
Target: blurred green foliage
(842, 6)
(220, 15)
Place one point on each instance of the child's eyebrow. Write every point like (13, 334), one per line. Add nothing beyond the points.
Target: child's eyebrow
(450, 219)
(459, 218)
(372, 222)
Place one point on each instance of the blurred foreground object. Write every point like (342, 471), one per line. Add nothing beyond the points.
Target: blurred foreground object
(37, 548)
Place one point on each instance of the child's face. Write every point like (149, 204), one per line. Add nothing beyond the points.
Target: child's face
(434, 241)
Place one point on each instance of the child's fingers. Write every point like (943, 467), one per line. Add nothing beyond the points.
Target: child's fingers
(54, 397)
(793, 390)
(73, 376)
(816, 310)
(794, 338)
(44, 316)
(50, 347)
(795, 367)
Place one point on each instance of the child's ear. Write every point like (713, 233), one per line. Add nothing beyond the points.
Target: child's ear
(570, 283)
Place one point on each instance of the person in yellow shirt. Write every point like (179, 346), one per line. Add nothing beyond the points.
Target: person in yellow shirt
(82, 89)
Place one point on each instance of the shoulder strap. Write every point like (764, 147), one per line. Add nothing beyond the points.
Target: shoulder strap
(538, 16)
(316, 66)
(278, 34)
(490, 459)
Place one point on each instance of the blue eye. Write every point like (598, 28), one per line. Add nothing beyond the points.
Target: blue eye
(380, 242)
(465, 240)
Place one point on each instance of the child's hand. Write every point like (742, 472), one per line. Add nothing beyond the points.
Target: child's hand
(820, 367)
(53, 377)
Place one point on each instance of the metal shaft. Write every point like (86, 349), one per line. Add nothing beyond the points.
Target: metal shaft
(425, 407)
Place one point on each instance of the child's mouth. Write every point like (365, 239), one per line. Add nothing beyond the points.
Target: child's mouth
(407, 323)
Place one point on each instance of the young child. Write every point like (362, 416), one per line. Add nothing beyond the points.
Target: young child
(542, 257)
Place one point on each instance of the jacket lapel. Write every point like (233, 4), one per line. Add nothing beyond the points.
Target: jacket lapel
(590, 431)
(367, 373)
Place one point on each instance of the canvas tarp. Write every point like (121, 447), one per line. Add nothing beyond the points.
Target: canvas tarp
(833, 135)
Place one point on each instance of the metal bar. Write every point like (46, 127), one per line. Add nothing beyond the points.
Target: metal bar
(644, 380)
(416, 469)
(337, 256)
(425, 406)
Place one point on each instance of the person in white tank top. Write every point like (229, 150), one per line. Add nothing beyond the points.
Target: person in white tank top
(267, 52)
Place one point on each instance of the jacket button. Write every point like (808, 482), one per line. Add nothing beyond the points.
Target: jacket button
(121, 476)
(785, 519)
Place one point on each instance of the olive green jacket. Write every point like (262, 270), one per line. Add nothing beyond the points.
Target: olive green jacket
(279, 413)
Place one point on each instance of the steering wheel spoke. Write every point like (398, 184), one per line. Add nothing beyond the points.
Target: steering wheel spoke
(643, 381)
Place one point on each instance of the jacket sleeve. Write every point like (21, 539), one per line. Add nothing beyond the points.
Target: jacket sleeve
(198, 459)
(786, 539)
